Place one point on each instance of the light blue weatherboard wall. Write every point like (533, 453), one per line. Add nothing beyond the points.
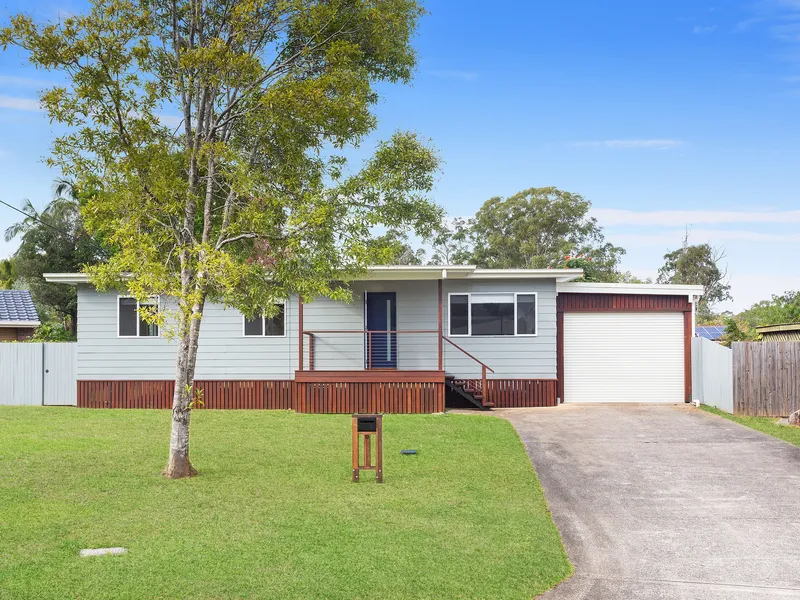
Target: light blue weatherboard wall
(224, 353)
(511, 357)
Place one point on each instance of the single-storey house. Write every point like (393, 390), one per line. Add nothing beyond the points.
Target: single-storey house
(413, 337)
(18, 316)
(785, 332)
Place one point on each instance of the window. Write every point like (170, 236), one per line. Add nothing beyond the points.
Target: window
(492, 314)
(266, 326)
(129, 317)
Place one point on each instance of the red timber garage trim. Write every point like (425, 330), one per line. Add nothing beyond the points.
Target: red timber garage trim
(588, 302)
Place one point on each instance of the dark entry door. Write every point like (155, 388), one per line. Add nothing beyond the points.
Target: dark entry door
(381, 347)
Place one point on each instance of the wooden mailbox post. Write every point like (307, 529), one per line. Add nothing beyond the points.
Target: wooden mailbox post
(367, 426)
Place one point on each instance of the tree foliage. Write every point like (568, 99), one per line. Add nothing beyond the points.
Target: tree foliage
(8, 274)
(697, 265)
(394, 248)
(245, 196)
(54, 241)
(780, 309)
(536, 229)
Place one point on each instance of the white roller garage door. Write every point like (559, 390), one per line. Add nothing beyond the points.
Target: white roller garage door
(623, 357)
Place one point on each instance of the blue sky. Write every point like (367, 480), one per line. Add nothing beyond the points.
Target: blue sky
(666, 115)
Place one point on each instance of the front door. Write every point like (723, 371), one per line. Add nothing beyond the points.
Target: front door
(381, 342)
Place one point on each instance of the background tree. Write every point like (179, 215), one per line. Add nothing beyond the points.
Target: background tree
(54, 241)
(249, 198)
(536, 229)
(450, 243)
(697, 265)
(780, 309)
(8, 274)
(394, 248)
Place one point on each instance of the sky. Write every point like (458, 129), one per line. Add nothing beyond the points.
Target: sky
(667, 115)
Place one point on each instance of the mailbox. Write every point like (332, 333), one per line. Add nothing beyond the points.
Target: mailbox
(367, 423)
(368, 427)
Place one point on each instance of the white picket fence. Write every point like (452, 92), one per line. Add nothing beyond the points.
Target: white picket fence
(712, 374)
(38, 374)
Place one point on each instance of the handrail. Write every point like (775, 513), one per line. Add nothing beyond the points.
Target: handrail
(484, 367)
(362, 331)
(481, 363)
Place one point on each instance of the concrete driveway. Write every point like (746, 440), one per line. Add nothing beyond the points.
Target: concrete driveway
(667, 502)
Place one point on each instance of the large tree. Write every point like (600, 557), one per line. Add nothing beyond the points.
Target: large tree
(54, 241)
(538, 228)
(698, 264)
(244, 196)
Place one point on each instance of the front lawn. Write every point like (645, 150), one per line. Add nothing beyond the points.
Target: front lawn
(273, 513)
(768, 425)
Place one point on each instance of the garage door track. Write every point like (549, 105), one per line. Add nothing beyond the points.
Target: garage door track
(667, 502)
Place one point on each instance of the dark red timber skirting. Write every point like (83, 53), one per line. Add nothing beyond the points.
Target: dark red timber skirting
(572, 302)
(520, 393)
(315, 392)
(403, 392)
(158, 394)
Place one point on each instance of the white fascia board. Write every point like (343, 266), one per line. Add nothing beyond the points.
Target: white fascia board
(667, 289)
(20, 323)
(560, 275)
(73, 278)
(416, 272)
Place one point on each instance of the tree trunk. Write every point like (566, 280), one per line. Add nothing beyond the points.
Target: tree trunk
(179, 465)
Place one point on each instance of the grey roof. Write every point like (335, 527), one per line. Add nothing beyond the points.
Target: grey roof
(17, 305)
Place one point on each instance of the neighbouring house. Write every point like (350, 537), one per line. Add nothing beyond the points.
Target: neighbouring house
(710, 332)
(786, 332)
(18, 316)
(413, 338)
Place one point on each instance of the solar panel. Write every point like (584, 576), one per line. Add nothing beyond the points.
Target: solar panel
(710, 332)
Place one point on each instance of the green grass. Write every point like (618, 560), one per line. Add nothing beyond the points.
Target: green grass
(768, 425)
(273, 513)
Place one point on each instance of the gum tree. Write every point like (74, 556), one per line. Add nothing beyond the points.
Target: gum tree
(214, 134)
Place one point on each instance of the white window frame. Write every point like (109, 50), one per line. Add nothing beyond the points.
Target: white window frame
(469, 314)
(264, 325)
(138, 304)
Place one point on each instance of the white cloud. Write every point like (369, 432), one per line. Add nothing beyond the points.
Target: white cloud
(19, 103)
(712, 236)
(25, 82)
(701, 29)
(652, 144)
(613, 216)
(451, 74)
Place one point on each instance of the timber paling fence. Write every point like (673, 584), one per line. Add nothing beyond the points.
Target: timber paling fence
(766, 378)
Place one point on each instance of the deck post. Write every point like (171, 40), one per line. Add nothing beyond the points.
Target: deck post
(441, 330)
(299, 332)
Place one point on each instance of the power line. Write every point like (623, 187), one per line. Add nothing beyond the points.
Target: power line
(51, 226)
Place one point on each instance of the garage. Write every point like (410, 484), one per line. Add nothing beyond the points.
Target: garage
(623, 357)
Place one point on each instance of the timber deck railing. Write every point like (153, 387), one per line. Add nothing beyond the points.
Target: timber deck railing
(383, 343)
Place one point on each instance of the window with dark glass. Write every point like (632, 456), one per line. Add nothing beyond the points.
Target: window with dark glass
(526, 314)
(492, 314)
(273, 326)
(459, 314)
(254, 326)
(131, 323)
(128, 317)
